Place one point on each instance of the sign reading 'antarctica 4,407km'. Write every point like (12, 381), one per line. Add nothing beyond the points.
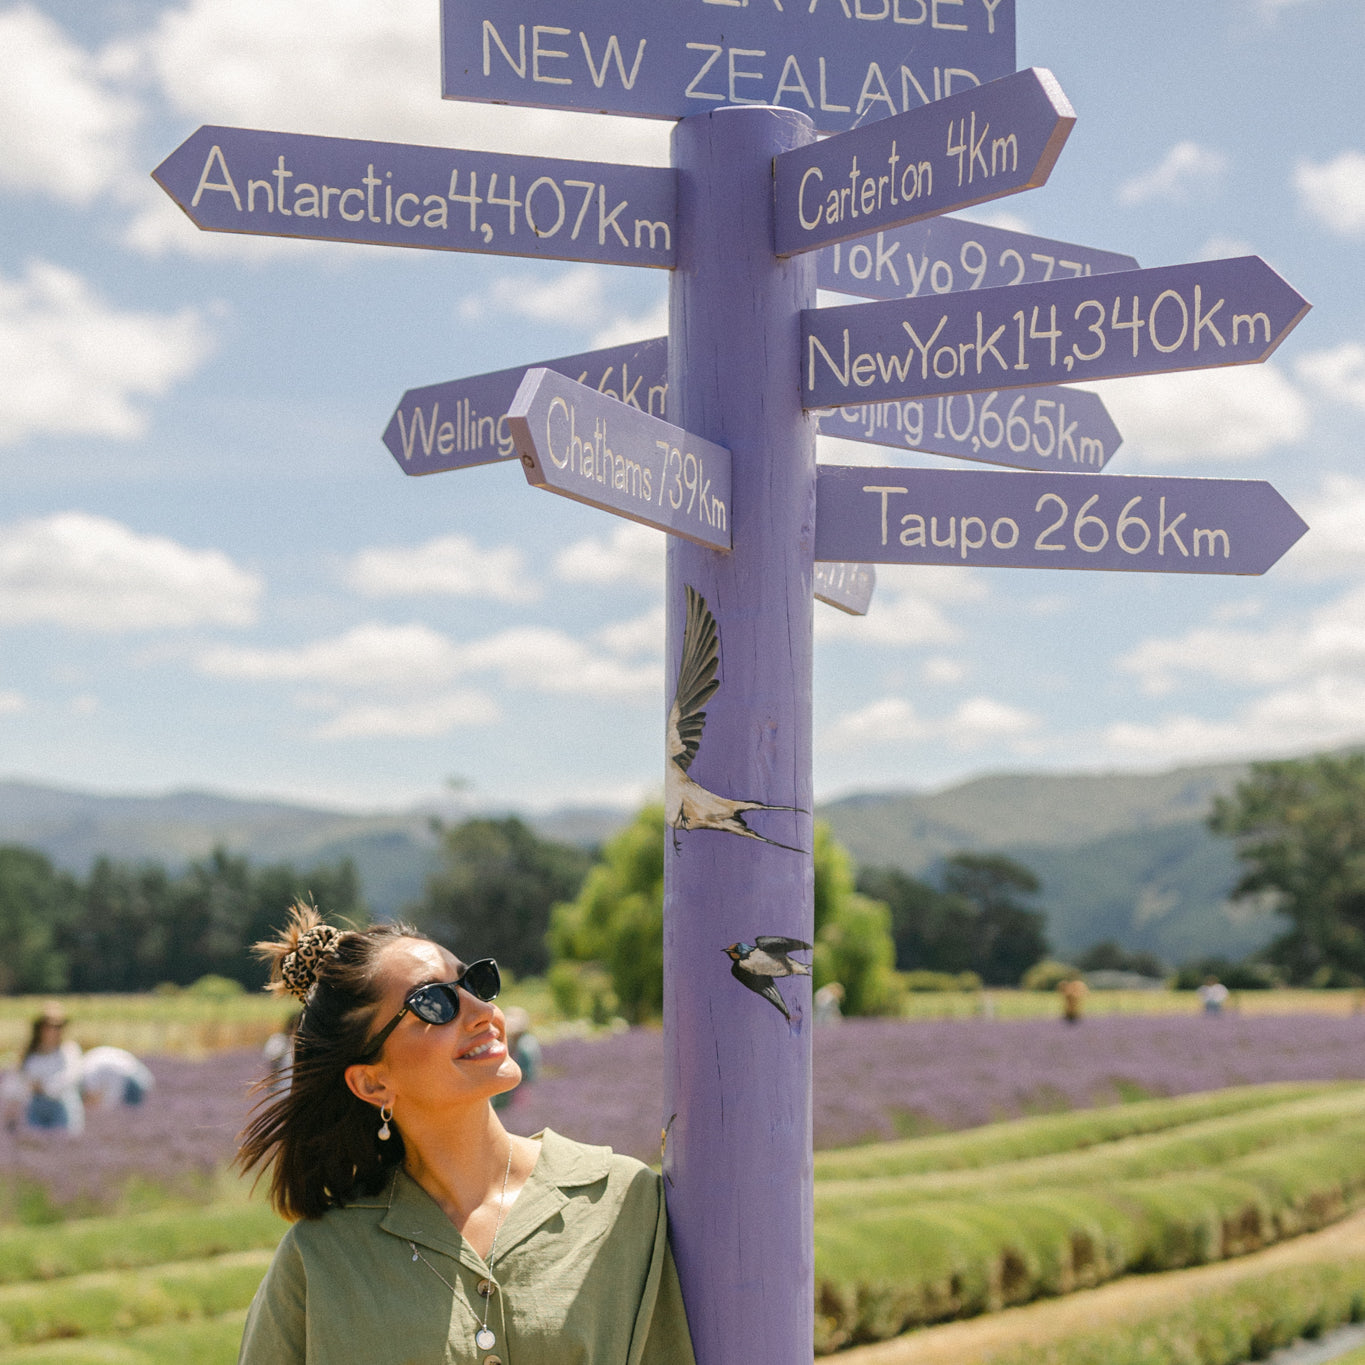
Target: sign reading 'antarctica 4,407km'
(977, 146)
(1181, 317)
(581, 444)
(945, 254)
(394, 194)
(1040, 521)
(843, 62)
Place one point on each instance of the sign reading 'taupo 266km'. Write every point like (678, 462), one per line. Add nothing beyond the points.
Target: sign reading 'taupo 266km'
(843, 62)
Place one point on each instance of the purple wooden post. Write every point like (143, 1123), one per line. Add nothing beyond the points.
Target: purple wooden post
(737, 1073)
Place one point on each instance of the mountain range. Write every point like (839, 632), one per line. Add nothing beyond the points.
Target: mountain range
(1121, 856)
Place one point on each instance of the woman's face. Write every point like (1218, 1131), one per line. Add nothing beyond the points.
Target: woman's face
(434, 1066)
(49, 1035)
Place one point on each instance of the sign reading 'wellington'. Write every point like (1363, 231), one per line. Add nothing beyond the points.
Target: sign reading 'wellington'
(1076, 521)
(1180, 317)
(977, 146)
(394, 194)
(843, 62)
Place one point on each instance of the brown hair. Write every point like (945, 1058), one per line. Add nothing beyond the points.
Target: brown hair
(319, 1139)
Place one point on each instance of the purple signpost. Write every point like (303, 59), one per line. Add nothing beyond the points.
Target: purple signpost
(735, 483)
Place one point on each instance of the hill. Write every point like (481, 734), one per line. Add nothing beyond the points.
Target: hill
(1122, 856)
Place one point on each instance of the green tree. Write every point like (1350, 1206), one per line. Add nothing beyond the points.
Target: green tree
(35, 902)
(1010, 935)
(493, 892)
(1300, 831)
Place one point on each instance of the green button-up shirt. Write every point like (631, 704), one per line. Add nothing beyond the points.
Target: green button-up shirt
(583, 1266)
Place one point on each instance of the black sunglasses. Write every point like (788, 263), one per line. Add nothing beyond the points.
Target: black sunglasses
(438, 1002)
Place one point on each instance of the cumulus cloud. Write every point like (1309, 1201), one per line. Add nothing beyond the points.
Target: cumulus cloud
(893, 720)
(549, 660)
(64, 131)
(428, 718)
(449, 566)
(1338, 373)
(74, 364)
(1334, 192)
(1335, 543)
(1238, 413)
(643, 634)
(1186, 167)
(628, 553)
(89, 573)
(909, 607)
(12, 703)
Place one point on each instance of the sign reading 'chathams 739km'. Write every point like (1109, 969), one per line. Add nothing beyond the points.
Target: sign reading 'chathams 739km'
(843, 62)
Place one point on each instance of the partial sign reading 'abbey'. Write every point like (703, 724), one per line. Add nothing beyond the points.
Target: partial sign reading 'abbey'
(843, 62)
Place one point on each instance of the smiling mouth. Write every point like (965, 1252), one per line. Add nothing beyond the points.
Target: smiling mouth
(493, 1045)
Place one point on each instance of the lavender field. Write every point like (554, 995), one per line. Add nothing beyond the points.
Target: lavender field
(874, 1079)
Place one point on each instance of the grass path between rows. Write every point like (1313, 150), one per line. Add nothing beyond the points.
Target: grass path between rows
(976, 1340)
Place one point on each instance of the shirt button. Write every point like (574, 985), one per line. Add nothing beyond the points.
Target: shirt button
(487, 1289)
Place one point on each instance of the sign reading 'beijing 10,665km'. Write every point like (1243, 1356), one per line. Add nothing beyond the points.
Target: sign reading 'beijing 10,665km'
(577, 442)
(1051, 521)
(394, 194)
(843, 62)
(977, 146)
(1181, 317)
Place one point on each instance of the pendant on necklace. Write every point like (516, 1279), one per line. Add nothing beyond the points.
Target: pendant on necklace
(484, 1339)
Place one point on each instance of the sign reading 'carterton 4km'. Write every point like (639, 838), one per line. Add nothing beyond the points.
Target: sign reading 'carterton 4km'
(842, 62)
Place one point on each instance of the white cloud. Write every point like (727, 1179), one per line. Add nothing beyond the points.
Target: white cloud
(943, 671)
(1335, 543)
(370, 655)
(892, 720)
(63, 131)
(908, 609)
(74, 365)
(643, 634)
(12, 703)
(622, 328)
(449, 566)
(1237, 413)
(89, 573)
(1334, 192)
(548, 660)
(1338, 373)
(629, 553)
(373, 71)
(1186, 166)
(427, 718)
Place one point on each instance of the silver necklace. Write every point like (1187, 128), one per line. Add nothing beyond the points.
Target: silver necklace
(485, 1339)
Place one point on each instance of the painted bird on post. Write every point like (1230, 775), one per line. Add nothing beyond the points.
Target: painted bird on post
(688, 805)
(757, 964)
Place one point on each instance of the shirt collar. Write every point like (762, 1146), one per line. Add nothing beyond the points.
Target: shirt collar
(414, 1216)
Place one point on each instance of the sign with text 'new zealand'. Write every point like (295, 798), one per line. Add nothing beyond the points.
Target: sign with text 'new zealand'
(580, 444)
(1180, 317)
(394, 194)
(846, 586)
(1049, 429)
(843, 62)
(462, 423)
(977, 146)
(1036, 521)
(941, 255)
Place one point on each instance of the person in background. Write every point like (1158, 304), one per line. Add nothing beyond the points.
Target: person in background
(279, 1054)
(1213, 995)
(51, 1071)
(525, 1049)
(829, 1003)
(1073, 992)
(111, 1076)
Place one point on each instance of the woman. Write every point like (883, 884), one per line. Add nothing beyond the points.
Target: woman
(424, 1232)
(51, 1071)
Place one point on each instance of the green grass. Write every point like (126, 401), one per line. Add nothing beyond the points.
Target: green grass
(212, 1341)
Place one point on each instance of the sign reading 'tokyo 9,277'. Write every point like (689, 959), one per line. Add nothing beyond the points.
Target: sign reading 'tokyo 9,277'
(843, 62)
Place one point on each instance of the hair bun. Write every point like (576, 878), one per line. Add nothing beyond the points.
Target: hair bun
(299, 969)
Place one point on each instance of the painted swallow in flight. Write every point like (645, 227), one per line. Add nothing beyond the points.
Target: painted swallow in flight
(686, 804)
(757, 965)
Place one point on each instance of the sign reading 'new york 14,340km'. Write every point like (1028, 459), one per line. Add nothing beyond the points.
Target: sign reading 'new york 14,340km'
(394, 194)
(1181, 317)
(843, 62)
(1051, 521)
(976, 146)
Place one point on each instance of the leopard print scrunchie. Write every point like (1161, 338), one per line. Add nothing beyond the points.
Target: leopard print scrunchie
(299, 969)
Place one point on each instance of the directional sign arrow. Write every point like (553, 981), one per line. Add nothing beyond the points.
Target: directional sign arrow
(1181, 317)
(463, 423)
(945, 254)
(580, 444)
(394, 194)
(977, 146)
(1048, 521)
(842, 63)
(846, 586)
(1049, 429)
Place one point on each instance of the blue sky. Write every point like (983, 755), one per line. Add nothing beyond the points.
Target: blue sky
(213, 574)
